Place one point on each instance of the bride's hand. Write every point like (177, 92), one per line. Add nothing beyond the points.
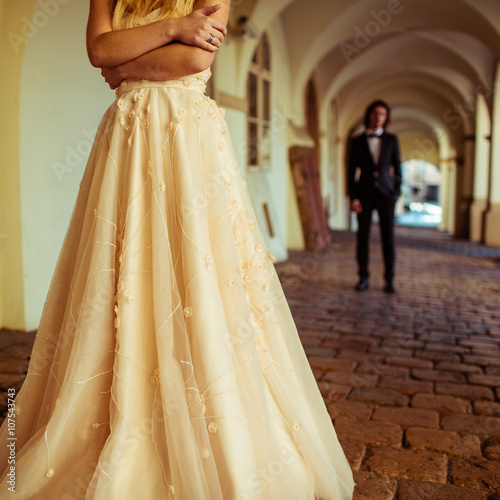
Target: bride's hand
(198, 28)
(112, 76)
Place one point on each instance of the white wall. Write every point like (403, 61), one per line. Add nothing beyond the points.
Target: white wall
(281, 114)
(62, 100)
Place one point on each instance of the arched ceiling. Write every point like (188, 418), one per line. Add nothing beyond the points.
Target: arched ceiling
(428, 58)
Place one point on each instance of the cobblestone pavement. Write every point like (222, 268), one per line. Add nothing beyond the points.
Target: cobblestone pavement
(411, 380)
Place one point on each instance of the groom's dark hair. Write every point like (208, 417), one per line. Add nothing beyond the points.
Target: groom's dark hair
(372, 106)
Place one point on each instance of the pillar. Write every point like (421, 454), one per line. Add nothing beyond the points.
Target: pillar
(465, 180)
(481, 169)
(446, 184)
(12, 44)
(492, 215)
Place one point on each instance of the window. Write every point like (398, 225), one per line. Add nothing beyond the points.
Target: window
(259, 107)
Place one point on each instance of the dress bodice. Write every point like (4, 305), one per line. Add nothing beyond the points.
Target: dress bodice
(196, 82)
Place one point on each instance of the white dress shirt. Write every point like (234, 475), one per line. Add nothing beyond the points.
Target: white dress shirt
(374, 143)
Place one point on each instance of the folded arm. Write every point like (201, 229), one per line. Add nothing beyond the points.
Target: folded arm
(109, 48)
(173, 60)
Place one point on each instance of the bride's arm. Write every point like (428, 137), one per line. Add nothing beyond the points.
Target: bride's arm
(171, 61)
(108, 48)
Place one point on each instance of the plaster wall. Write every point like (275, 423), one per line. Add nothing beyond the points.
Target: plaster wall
(62, 98)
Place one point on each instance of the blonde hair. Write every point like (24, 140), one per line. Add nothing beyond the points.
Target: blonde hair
(127, 12)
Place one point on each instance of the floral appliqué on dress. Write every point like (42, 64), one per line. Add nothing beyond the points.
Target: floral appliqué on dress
(134, 109)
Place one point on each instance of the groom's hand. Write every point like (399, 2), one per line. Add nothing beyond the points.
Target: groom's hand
(356, 206)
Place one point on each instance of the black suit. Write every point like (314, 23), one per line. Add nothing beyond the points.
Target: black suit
(376, 188)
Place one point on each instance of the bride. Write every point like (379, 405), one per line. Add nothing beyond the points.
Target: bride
(167, 363)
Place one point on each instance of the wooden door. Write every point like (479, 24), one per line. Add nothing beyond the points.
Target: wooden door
(313, 216)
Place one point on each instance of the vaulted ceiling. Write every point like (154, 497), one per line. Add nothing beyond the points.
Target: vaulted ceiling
(428, 58)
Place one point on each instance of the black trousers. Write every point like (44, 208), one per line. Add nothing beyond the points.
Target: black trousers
(385, 208)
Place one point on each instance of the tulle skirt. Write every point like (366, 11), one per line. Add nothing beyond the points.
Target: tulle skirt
(167, 363)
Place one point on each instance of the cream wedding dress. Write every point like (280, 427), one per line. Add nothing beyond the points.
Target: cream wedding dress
(167, 364)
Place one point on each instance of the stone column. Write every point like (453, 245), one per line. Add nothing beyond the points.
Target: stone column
(446, 190)
(465, 179)
(452, 195)
(492, 215)
(481, 169)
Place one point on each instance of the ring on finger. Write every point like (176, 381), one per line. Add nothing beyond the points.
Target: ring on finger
(211, 39)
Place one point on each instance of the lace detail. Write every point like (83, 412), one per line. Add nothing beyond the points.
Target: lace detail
(196, 82)
(258, 268)
(134, 109)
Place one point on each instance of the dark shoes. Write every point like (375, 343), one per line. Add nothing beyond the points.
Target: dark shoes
(362, 285)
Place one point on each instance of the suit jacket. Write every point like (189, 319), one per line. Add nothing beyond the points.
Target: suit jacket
(374, 177)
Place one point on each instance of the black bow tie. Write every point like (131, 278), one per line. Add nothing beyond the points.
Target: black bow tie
(373, 135)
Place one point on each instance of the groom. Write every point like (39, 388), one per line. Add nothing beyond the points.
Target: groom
(373, 184)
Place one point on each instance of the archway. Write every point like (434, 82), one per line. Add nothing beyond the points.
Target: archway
(420, 194)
